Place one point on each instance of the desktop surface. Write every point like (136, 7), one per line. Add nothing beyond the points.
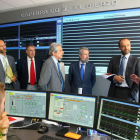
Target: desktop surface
(24, 134)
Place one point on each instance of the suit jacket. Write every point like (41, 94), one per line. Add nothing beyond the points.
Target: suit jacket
(133, 67)
(22, 70)
(88, 81)
(49, 78)
(11, 61)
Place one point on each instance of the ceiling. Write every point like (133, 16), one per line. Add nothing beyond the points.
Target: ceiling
(10, 5)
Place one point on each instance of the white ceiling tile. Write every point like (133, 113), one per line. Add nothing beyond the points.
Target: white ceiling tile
(18, 3)
(4, 6)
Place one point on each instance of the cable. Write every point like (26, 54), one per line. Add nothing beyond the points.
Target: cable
(24, 126)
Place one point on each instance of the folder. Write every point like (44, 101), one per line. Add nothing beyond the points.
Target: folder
(9, 71)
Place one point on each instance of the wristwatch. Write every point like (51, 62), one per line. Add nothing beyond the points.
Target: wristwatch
(2, 135)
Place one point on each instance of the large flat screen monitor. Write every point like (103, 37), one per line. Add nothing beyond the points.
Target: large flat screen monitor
(119, 118)
(74, 109)
(28, 104)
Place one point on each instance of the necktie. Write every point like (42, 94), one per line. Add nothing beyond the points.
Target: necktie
(82, 71)
(121, 69)
(60, 77)
(32, 73)
(7, 79)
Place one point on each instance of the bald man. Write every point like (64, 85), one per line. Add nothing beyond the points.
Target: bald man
(4, 61)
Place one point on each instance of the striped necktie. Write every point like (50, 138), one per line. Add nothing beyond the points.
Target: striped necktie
(61, 77)
(7, 79)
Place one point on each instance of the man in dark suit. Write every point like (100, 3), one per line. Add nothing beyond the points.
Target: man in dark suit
(82, 73)
(28, 69)
(121, 84)
(4, 61)
(51, 77)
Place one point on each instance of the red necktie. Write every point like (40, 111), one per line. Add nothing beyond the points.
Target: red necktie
(32, 73)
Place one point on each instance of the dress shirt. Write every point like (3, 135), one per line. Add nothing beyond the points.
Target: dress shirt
(29, 66)
(124, 84)
(84, 67)
(55, 61)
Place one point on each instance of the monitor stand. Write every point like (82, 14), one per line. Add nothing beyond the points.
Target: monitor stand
(74, 129)
(28, 121)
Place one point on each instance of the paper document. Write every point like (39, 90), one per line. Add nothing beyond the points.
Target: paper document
(107, 75)
(9, 71)
(15, 119)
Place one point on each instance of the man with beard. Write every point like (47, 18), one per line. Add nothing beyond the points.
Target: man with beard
(82, 73)
(4, 61)
(123, 66)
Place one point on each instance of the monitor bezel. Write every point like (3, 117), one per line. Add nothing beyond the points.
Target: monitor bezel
(99, 105)
(94, 122)
(30, 116)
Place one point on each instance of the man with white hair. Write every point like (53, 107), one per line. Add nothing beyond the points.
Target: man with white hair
(82, 73)
(51, 77)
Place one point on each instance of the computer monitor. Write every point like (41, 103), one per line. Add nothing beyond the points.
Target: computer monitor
(25, 103)
(74, 109)
(119, 118)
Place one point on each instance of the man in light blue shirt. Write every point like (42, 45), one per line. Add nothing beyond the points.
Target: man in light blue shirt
(123, 66)
(82, 73)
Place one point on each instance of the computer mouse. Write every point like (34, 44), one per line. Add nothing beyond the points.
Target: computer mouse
(42, 128)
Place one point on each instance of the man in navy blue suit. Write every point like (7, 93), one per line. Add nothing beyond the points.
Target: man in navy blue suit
(82, 73)
(29, 69)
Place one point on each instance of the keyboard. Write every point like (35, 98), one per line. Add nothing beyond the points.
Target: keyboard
(45, 137)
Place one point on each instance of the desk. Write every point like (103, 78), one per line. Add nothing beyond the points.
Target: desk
(25, 134)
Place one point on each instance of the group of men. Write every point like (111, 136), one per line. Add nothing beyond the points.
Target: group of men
(33, 74)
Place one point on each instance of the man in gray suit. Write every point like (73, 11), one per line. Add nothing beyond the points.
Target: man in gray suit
(4, 61)
(123, 66)
(51, 77)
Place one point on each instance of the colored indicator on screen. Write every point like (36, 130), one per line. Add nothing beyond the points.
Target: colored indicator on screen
(57, 113)
(56, 99)
(11, 93)
(61, 108)
(83, 107)
(55, 95)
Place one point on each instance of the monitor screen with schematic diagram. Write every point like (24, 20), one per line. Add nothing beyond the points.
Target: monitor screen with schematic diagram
(74, 109)
(24, 103)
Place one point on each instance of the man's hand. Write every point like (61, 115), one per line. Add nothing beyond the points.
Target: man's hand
(13, 78)
(135, 78)
(118, 78)
(4, 123)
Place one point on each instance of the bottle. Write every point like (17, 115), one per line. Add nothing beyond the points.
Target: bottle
(89, 132)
